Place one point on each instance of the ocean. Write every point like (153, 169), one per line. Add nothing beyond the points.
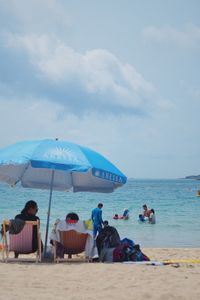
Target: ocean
(175, 203)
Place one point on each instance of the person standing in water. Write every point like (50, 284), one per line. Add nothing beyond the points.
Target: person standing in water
(97, 219)
(152, 217)
(146, 212)
(126, 213)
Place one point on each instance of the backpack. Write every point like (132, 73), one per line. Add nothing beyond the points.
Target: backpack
(107, 238)
(138, 255)
(128, 243)
(118, 254)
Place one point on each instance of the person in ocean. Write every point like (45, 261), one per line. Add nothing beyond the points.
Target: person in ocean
(146, 211)
(141, 218)
(145, 215)
(97, 219)
(116, 217)
(152, 217)
(126, 213)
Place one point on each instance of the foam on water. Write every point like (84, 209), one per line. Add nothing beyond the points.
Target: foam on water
(176, 205)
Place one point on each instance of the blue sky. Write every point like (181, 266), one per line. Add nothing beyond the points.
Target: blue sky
(121, 77)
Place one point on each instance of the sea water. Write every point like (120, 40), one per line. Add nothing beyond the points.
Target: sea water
(175, 203)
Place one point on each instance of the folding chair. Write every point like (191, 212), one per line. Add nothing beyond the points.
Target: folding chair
(73, 242)
(21, 243)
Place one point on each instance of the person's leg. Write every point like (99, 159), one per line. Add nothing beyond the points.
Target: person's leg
(60, 250)
(98, 245)
(95, 230)
(99, 228)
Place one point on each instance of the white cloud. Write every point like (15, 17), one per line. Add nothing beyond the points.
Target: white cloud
(33, 16)
(188, 37)
(39, 119)
(49, 88)
(97, 72)
(35, 33)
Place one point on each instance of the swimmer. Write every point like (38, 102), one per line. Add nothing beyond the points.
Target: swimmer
(141, 218)
(116, 217)
(125, 213)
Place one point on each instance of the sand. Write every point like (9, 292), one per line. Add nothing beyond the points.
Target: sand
(80, 280)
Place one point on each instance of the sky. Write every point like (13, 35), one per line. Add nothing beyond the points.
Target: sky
(119, 76)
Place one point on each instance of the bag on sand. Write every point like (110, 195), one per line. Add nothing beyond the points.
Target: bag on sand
(118, 254)
(138, 255)
(88, 224)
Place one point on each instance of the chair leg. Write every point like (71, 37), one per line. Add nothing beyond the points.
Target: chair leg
(39, 252)
(5, 243)
(7, 253)
(3, 253)
(37, 257)
(54, 252)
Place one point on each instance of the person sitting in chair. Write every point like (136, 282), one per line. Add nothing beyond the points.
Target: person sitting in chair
(72, 218)
(71, 222)
(28, 213)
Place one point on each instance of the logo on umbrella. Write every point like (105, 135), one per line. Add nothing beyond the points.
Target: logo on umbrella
(60, 153)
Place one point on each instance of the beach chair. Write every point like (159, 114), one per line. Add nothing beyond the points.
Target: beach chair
(73, 242)
(21, 243)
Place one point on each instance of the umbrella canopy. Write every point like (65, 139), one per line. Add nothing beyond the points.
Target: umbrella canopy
(58, 165)
(75, 167)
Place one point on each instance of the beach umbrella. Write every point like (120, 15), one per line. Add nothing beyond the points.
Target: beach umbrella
(58, 165)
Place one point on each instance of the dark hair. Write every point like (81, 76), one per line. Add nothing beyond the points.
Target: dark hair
(72, 216)
(136, 247)
(100, 205)
(116, 215)
(153, 211)
(29, 204)
(105, 223)
(144, 206)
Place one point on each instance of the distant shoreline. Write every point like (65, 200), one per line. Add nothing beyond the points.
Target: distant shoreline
(196, 177)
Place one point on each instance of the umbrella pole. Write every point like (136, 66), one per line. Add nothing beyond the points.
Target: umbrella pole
(48, 213)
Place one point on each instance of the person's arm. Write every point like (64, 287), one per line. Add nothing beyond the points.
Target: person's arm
(19, 216)
(38, 219)
(100, 217)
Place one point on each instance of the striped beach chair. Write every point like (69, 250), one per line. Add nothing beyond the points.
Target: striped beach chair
(73, 242)
(21, 243)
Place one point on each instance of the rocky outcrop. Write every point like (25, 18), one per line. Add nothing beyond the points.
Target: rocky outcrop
(197, 177)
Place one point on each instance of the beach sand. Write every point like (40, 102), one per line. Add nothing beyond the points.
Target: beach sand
(81, 280)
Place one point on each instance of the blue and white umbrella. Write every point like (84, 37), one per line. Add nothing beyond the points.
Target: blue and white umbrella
(58, 165)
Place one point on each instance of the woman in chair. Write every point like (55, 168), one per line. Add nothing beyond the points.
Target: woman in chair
(28, 213)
